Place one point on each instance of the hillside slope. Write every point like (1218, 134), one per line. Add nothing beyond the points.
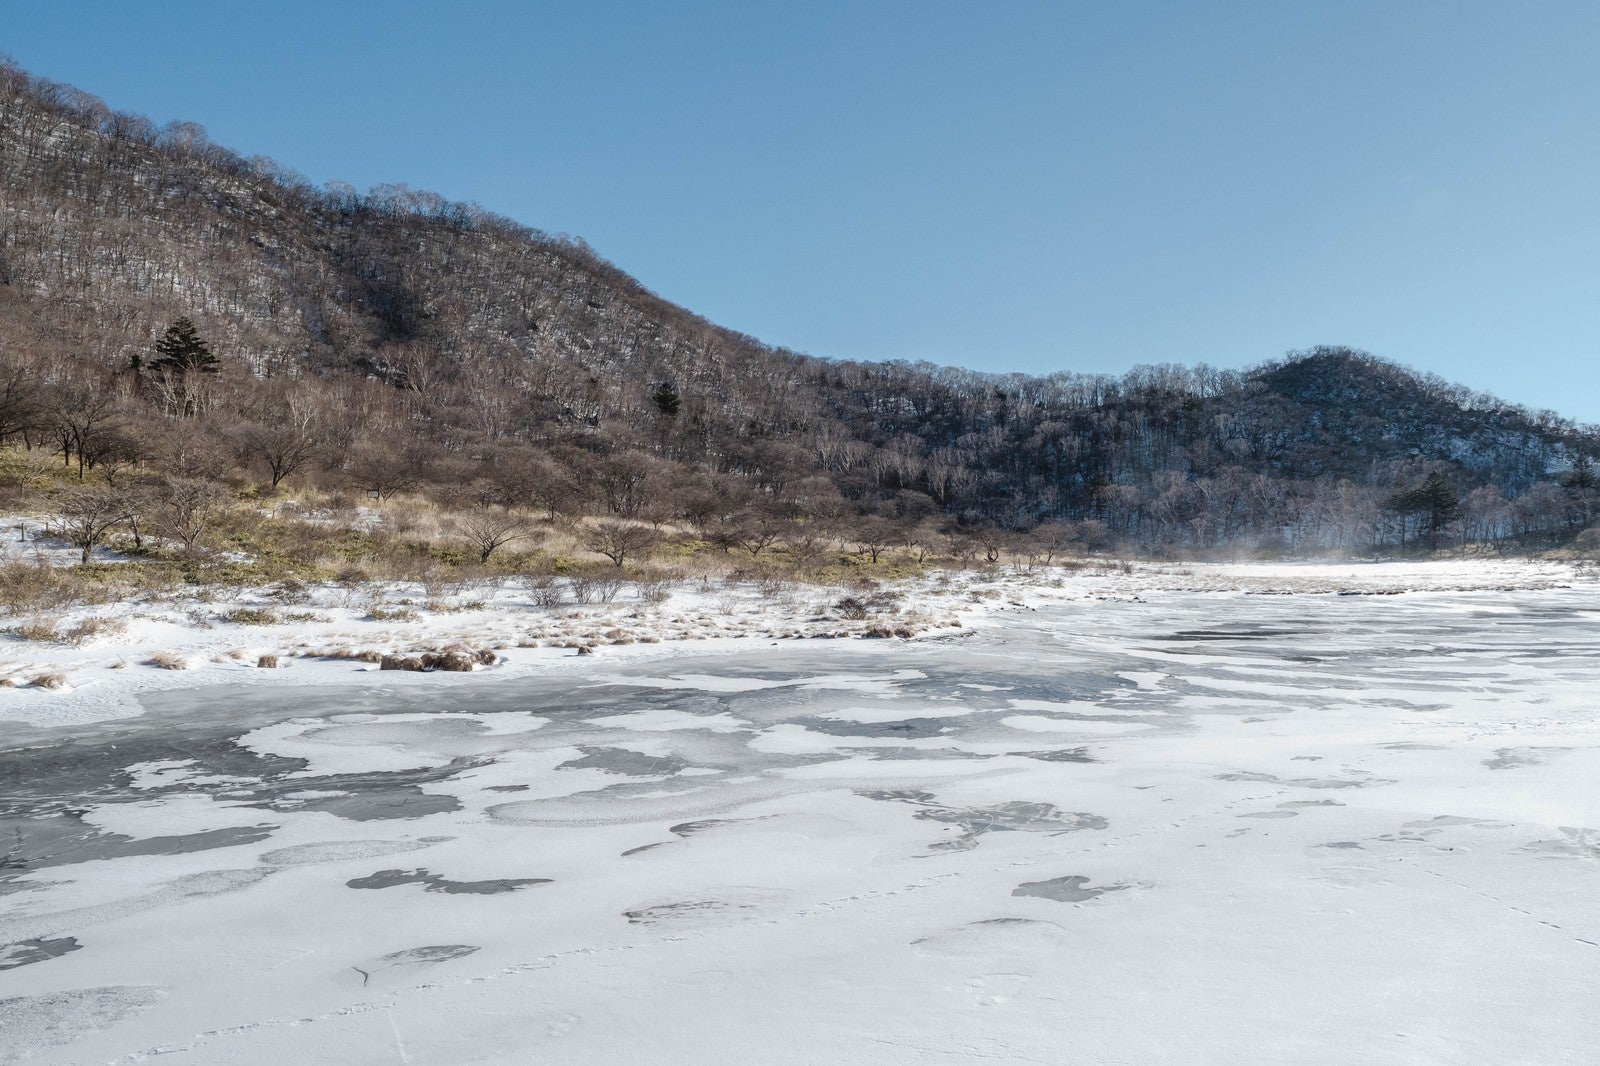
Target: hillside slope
(437, 346)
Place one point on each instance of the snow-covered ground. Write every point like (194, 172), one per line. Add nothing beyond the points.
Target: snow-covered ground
(321, 634)
(1147, 816)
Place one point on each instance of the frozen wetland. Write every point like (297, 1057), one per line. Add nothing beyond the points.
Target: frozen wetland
(1192, 827)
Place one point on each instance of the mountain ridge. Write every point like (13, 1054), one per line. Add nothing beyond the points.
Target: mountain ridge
(488, 345)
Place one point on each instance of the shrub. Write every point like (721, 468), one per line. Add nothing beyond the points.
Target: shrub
(87, 629)
(654, 591)
(251, 616)
(51, 630)
(393, 614)
(851, 609)
(545, 592)
(593, 588)
(26, 586)
(42, 630)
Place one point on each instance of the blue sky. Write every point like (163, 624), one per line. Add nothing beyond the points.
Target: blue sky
(999, 185)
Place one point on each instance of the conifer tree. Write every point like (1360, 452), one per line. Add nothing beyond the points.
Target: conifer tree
(183, 351)
(177, 376)
(666, 399)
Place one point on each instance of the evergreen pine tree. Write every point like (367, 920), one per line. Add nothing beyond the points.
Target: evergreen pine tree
(1439, 504)
(1581, 483)
(183, 351)
(666, 399)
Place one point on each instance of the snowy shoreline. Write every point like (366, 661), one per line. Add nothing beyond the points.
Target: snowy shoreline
(1270, 813)
(332, 636)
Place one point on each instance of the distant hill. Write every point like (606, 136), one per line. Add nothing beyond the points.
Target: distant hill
(436, 347)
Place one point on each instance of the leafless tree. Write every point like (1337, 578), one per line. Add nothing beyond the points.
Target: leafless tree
(489, 530)
(185, 508)
(86, 515)
(620, 541)
(875, 535)
(287, 436)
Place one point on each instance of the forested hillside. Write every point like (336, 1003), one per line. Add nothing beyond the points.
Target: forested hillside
(390, 342)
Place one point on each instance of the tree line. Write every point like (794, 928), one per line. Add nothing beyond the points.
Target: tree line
(171, 310)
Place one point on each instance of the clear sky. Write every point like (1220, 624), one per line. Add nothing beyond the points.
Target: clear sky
(999, 185)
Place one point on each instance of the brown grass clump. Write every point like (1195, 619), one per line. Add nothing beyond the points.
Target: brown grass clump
(344, 653)
(166, 660)
(52, 631)
(250, 616)
(49, 680)
(37, 586)
(89, 628)
(457, 659)
(40, 630)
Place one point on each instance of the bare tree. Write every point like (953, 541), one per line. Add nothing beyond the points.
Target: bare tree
(185, 508)
(620, 541)
(83, 417)
(286, 437)
(86, 515)
(389, 464)
(488, 531)
(876, 535)
(114, 452)
(19, 400)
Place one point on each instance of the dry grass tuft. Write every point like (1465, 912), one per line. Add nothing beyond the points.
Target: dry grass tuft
(250, 616)
(393, 614)
(52, 631)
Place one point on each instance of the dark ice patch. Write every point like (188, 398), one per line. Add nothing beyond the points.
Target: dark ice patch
(65, 838)
(897, 795)
(913, 754)
(429, 953)
(689, 829)
(1231, 633)
(1015, 816)
(1056, 755)
(28, 952)
(646, 847)
(426, 955)
(624, 761)
(667, 912)
(1071, 889)
(907, 728)
(360, 797)
(1575, 842)
(1512, 758)
(440, 883)
(1304, 782)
